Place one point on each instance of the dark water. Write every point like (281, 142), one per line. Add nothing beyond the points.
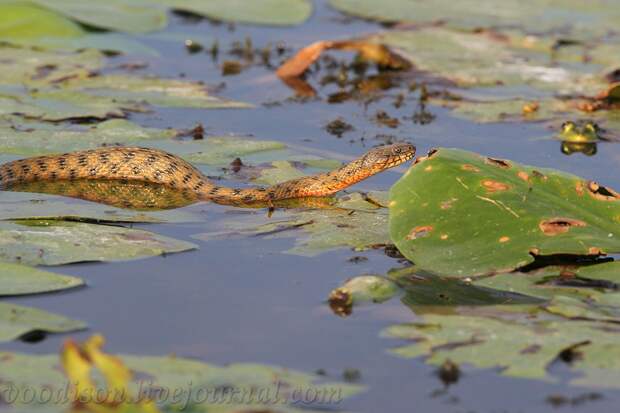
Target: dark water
(243, 300)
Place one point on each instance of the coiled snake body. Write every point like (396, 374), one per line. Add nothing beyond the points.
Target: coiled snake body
(158, 167)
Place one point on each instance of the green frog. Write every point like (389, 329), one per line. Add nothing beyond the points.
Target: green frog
(580, 136)
(581, 132)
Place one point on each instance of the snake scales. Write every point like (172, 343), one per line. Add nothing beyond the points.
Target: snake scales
(145, 168)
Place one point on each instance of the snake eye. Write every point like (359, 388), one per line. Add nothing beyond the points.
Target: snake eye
(397, 150)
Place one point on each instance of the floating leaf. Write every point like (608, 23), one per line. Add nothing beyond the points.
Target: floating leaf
(133, 16)
(41, 68)
(55, 243)
(57, 105)
(31, 138)
(461, 214)
(24, 20)
(489, 59)
(572, 16)
(152, 90)
(352, 222)
(268, 12)
(15, 321)
(17, 279)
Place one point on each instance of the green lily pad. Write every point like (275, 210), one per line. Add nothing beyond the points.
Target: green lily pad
(352, 222)
(267, 12)
(16, 320)
(133, 16)
(460, 214)
(24, 20)
(243, 387)
(572, 16)
(17, 279)
(57, 242)
(35, 138)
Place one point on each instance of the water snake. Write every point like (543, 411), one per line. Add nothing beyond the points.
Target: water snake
(153, 166)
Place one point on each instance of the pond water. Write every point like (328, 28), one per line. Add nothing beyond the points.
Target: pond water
(244, 300)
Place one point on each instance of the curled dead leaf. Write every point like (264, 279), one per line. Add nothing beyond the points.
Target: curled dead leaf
(377, 53)
(556, 226)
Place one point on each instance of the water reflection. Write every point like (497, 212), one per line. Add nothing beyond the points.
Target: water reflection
(146, 196)
(587, 148)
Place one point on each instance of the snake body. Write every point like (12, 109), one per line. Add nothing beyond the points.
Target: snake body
(152, 166)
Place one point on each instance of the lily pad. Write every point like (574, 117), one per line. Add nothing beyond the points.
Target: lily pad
(58, 105)
(32, 138)
(535, 16)
(56, 242)
(16, 320)
(267, 12)
(41, 68)
(152, 90)
(25, 20)
(133, 16)
(489, 59)
(352, 222)
(493, 338)
(460, 214)
(17, 279)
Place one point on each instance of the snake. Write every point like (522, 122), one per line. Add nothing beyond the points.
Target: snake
(135, 165)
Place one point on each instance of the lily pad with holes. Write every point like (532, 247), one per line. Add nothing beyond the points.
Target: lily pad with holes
(460, 214)
(55, 242)
(16, 320)
(17, 279)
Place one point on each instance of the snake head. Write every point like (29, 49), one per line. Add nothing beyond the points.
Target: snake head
(388, 156)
